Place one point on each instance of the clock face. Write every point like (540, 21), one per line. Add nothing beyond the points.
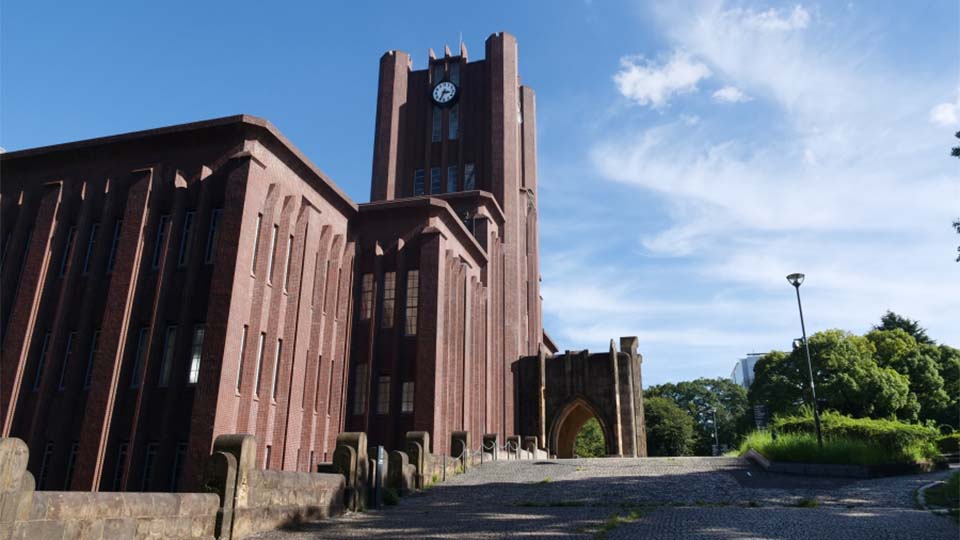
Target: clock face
(444, 93)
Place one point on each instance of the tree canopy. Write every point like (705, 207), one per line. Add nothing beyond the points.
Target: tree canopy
(590, 440)
(699, 397)
(892, 321)
(670, 429)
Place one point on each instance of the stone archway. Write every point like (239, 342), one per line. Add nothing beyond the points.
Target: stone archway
(566, 427)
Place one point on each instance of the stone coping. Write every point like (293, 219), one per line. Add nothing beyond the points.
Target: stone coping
(842, 471)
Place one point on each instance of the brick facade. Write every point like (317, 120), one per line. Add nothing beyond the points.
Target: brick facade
(165, 287)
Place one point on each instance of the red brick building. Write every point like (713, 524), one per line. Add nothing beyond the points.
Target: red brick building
(164, 287)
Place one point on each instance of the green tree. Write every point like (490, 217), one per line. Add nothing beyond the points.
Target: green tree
(670, 429)
(699, 397)
(892, 321)
(949, 367)
(590, 440)
(848, 379)
(898, 350)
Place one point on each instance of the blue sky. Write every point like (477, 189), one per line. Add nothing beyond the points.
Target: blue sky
(691, 153)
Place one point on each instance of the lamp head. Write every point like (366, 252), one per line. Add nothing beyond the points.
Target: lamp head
(795, 279)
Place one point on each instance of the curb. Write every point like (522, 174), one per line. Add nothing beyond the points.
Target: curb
(922, 498)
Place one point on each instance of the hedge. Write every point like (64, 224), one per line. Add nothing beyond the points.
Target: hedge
(890, 434)
(949, 444)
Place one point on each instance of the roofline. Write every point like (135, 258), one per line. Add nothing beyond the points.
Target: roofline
(244, 119)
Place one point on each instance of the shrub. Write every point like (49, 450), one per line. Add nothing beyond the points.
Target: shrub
(897, 438)
(802, 448)
(949, 444)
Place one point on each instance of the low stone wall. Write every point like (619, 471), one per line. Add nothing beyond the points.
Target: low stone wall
(74, 515)
(841, 471)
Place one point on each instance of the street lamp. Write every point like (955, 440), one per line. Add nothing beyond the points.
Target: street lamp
(716, 438)
(796, 280)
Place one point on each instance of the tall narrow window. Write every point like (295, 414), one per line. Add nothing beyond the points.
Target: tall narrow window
(149, 460)
(41, 361)
(413, 302)
(366, 297)
(67, 353)
(286, 270)
(316, 391)
(270, 257)
(118, 468)
(453, 123)
(360, 390)
(91, 242)
(71, 463)
(311, 461)
(243, 350)
(45, 466)
(6, 246)
(213, 234)
(140, 358)
(435, 184)
(256, 245)
(389, 298)
(111, 261)
(406, 403)
(452, 178)
(91, 356)
(177, 470)
(266, 457)
(383, 395)
(196, 351)
(418, 182)
(455, 73)
(469, 177)
(185, 237)
(161, 238)
(71, 235)
(276, 369)
(437, 125)
(259, 365)
(166, 361)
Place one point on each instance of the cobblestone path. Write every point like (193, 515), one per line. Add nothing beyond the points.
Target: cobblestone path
(655, 498)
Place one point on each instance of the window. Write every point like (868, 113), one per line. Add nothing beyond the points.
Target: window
(389, 298)
(406, 403)
(6, 245)
(316, 392)
(91, 241)
(366, 297)
(113, 245)
(413, 301)
(149, 460)
(118, 468)
(273, 246)
(451, 178)
(418, 182)
(177, 470)
(185, 236)
(166, 361)
(213, 233)
(243, 350)
(71, 463)
(453, 123)
(286, 271)
(67, 353)
(94, 344)
(266, 457)
(161, 238)
(196, 350)
(276, 370)
(45, 466)
(256, 245)
(41, 361)
(455, 73)
(437, 125)
(311, 462)
(360, 390)
(469, 178)
(383, 395)
(140, 358)
(71, 235)
(435, 180)
(256, 379)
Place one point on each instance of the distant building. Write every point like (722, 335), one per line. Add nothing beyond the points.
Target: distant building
(743, 371)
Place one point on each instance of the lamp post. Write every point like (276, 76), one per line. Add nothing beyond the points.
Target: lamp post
(716, 437)
(796, 280)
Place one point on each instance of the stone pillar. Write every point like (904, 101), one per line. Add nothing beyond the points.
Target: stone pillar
(491, 444)
(418, 445)
(401, 475)
(514, 443)
(350, 459)
(16, 484)
(530, 444)
(460, 447)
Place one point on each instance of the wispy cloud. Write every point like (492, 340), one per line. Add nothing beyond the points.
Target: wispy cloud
(947, 114)
(730, 94)
(648, 83)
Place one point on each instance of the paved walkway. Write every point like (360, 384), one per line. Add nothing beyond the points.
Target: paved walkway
(655, 498)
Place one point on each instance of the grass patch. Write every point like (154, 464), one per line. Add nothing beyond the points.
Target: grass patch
(811, 502)
(546, 480)
(615, 521)
(802, 448)
(946, 494)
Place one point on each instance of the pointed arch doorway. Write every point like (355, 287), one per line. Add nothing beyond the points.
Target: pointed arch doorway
(563, 434)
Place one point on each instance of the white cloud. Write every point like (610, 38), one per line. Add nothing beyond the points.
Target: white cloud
(730, 94)
(772, 20)
(647, 83)
(946, 114)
